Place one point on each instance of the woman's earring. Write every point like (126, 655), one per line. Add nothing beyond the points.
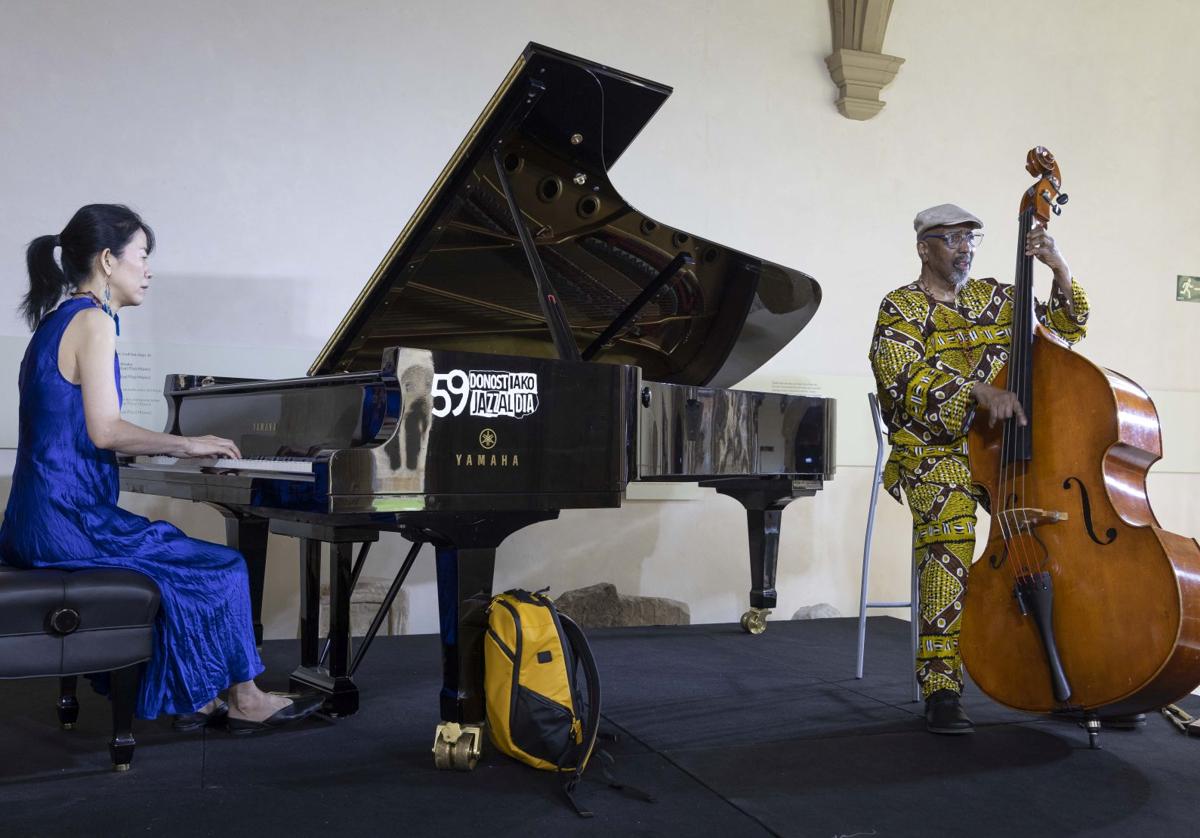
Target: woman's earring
(107, 309)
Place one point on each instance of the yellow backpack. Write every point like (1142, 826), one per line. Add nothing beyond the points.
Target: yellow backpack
(542, 687)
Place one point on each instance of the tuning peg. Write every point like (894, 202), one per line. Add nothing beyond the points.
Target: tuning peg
(1062, 198)
(1056, 210)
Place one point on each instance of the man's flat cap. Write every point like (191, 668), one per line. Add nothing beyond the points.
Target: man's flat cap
(943, 215)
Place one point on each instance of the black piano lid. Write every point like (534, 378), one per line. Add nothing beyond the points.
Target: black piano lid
(457, 276)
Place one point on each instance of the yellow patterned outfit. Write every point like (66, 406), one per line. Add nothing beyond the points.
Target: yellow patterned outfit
(927, 356)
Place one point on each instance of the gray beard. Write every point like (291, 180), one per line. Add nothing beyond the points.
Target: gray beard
(959, 278)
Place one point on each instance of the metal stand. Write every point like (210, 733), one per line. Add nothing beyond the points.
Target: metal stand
(381, 614)
(665, 275)
(1092, 725)
(552, 309)
(914, 595)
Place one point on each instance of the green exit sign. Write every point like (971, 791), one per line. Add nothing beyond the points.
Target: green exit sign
(1187, 288)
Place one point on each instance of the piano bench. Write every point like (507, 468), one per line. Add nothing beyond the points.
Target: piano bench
(365, 602)
(56, 623)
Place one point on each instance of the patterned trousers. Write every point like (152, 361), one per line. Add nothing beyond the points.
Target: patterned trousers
(943, 512)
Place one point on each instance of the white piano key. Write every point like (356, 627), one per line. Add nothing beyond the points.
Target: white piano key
(287, 465)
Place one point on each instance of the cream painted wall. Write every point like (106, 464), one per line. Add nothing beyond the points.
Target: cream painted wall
(278, 147)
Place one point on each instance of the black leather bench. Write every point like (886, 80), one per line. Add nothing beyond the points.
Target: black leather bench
(56, 623)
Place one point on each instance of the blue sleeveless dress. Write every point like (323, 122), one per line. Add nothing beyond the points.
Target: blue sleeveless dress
(62, 513)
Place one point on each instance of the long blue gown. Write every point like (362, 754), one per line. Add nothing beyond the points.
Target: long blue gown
(62, 513)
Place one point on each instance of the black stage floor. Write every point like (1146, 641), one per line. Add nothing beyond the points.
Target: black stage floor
(736, 735)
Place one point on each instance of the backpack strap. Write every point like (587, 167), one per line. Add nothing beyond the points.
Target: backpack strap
(606, 763)
(578, 641)
(583, 653)
(591, 727)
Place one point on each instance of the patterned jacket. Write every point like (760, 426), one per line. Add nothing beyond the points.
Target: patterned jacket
(928, 356)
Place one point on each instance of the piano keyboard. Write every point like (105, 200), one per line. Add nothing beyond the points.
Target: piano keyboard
(285, 465)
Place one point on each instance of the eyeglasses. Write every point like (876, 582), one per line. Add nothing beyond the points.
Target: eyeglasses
(953, 240)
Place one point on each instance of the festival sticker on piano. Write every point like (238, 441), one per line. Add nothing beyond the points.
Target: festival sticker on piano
(485, 393)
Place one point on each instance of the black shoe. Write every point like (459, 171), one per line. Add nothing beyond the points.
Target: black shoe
(944, 714)
(303, 705)
(187, 722)
(1129, 721)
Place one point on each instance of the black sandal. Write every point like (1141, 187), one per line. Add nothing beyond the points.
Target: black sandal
(188, 722)
(303, 705)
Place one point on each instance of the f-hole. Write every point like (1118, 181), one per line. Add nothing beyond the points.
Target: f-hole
(998, 563)
(1110, 533)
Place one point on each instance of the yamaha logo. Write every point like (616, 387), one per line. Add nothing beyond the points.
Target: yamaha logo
(487, 441)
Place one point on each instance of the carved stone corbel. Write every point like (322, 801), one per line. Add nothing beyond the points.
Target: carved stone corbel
(858, 66)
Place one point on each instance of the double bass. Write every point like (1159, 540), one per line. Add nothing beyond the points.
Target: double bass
(1080, 601)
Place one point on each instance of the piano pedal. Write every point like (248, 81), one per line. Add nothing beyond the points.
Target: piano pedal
(457, 746)
(754, 621)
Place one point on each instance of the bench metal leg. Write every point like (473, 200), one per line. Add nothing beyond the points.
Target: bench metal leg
(68, 704)
(125, 683)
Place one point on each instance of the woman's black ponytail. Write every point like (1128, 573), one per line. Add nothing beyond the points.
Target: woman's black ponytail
(47, 282)
(92, 229)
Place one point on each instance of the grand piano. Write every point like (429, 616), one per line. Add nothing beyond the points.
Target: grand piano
(530, 343)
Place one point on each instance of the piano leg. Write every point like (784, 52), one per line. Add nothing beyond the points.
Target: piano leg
(310, 602)
(464, 593)
(466, 559)
(764, 500)
(248, 535)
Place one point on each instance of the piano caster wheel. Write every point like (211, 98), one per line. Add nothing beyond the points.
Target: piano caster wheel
(754, 621)
(457, 746)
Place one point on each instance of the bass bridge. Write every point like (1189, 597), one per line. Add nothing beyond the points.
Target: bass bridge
(1024, 519)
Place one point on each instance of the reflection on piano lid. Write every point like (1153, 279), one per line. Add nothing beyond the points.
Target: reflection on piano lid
(458, 275)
